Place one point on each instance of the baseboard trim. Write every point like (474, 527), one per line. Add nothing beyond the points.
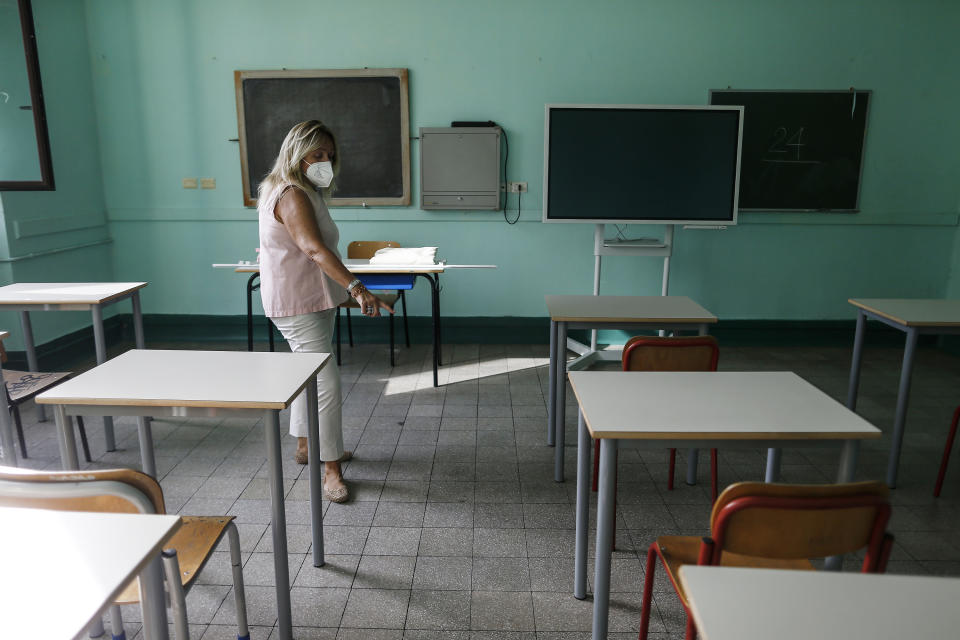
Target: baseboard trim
(160, 328)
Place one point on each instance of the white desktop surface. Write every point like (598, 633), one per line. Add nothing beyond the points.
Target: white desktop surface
(66, 292)
(759, 604)
(355, 265)
(669, 309)
(170, 378)
(4, 335)
(55, 579)
(913, 312)
(712, 405)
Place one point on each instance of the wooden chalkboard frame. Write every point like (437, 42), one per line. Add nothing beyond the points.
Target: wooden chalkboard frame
(867, 98)
(400, 74)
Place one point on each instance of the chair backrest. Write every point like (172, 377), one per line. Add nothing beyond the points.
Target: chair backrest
(109, 490)
(789, 521)
(364, 249)
(682, 353)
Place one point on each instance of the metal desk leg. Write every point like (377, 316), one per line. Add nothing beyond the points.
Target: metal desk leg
(560, 402)
(6, 433)
(439, 323)
(278, 524)
(31, 350)
(137, 321)
(584, 446)
(152, 601)
(141, 344)
(601, 578)
(857, 359)
(693, 456)
(66, 440)
(100, 343)
(846, 473)
(95, 630)
(848, 461)
(250, 281)
(316, 483)
(903, 398)
(773, 465)
(551, 408)
(435, 308)
(147, 459)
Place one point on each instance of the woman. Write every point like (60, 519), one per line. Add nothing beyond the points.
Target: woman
(302, 280)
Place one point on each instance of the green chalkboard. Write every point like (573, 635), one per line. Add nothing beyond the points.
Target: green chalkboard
(367, 110)
(802, 150)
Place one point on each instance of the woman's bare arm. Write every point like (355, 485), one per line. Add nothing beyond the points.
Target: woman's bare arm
(295, 211)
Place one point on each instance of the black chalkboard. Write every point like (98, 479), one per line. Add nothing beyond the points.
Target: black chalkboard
(367, 110)
(802, 150)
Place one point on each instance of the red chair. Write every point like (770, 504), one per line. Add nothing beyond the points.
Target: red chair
(777, 526)
(686, 353)
(946, 453)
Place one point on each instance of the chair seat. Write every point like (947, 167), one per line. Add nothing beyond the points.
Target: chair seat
(23, 385)
(389, 298)
(680, 550)
(194, 542)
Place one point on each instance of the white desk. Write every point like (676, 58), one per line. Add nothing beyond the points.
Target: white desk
(73, 296)
(915, 318)
(671, 313)
(431, 273)
(54, 582)
(759, 604)
(206, 384)
(705, 409)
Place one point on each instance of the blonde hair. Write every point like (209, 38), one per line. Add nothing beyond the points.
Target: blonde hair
(302, 139)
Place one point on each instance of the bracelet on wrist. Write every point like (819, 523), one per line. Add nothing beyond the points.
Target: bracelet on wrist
(352, 285)
(358, 290)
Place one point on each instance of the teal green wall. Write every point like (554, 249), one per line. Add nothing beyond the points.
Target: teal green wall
(62, 234)
(165, 108)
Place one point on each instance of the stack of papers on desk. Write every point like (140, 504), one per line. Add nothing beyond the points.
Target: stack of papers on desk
(405, 256)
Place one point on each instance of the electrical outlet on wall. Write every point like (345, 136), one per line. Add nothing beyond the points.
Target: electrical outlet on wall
(189, 183)
(517, 187)
(208, 183)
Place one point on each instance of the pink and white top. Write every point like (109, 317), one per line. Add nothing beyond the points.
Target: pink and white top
(290, 283)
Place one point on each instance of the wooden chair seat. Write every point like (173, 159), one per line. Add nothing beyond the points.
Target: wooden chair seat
(676, 551)
(194, 542)
(24, 385)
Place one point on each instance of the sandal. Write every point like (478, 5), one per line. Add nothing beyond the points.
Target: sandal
(340, 494)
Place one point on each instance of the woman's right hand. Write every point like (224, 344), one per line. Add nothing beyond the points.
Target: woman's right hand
(370, 304)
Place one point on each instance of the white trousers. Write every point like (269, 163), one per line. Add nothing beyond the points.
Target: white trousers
(313, 333)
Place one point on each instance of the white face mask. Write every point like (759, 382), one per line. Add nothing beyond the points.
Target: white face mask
(320, 174)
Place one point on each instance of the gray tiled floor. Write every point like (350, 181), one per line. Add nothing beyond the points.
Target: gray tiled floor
(456, 529)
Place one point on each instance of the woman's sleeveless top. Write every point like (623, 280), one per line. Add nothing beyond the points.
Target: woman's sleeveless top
(290, 283)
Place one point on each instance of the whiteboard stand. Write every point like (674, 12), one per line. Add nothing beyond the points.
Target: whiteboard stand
(588, 354)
